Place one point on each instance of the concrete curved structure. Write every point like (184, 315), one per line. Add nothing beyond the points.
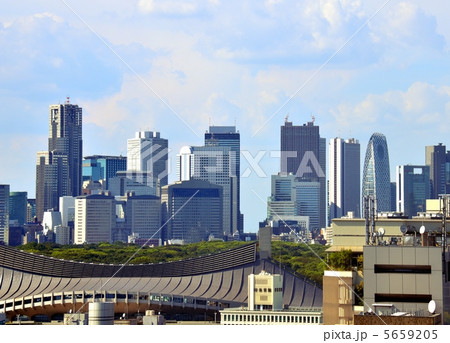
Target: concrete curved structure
(32, 284)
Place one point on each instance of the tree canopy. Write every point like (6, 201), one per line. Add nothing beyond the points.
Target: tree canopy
(303, 259)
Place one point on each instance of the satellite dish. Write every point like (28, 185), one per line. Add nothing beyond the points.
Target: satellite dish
(381, 231)
(422, 230)
(403, 229)
(431, 306)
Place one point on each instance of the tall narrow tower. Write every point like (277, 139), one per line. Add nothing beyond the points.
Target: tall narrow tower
(228, 136)
(59, 169)
(344, 177)
(65, 136)
(436, 158)
(376, 174)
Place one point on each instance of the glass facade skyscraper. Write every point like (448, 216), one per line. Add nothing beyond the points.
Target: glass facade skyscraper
(413, 188)
(18, 207)
(303, 154)
(228, 136)
(196, 219)
(99, 167)
(291, 198)
(438, 159)
(376, 174)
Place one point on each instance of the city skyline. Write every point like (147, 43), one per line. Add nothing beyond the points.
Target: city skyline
(392, 77)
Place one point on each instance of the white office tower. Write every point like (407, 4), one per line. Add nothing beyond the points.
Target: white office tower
(51, 220)
(67, 209)
(213, 164)
(95, 218)
(185, 163)
(147, 152)
(344, 177)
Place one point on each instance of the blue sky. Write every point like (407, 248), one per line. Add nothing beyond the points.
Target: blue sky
(177, 66)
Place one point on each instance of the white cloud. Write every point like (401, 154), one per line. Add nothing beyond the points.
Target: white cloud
(406, 25)
(422, 106)
(167, 7)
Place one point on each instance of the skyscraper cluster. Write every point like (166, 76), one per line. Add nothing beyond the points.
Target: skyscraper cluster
(134, 200)
(109, 198)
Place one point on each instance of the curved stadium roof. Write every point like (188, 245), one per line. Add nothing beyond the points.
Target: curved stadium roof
(30, 283)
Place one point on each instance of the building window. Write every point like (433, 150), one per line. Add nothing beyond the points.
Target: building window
(406, 298)
(402, 269)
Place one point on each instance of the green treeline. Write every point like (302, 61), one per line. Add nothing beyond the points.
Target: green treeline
(303, 259)
(119, 253)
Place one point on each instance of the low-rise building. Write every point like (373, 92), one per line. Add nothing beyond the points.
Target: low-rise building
(265, 305)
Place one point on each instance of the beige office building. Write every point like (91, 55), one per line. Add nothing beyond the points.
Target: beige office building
(95, 217)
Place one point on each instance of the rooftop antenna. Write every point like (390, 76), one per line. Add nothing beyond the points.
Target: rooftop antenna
(68, 100)
(313, 119)
(286, 118)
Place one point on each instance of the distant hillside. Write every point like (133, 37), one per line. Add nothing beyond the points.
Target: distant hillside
(301, 258)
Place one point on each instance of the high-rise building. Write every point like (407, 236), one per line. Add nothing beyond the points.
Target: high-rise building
(393, 196)
(194, 208)
(282, 201)
(143, 215)
(413, 188)
(100, 167)
(67, 209)
(140, 183)
(31, 210)
(95, 218)
(4, 213)
(228, 136)
(438, 159)
(148, 152)
(58, 170)
(214, 164)
(50, 221)
(52, 176)
(303, 154)
(376, 174)
(65, 136)
(18, 207)
(291, 198)
(344, 177)
(185, 163)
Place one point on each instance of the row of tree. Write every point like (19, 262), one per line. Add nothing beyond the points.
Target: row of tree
(307, 260)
